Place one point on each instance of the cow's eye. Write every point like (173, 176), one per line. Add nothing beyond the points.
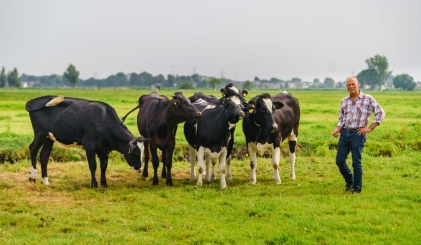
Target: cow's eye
(182, 102)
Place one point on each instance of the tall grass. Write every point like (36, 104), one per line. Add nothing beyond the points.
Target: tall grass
(314, 209)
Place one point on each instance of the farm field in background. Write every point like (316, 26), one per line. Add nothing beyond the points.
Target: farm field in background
(310, 210)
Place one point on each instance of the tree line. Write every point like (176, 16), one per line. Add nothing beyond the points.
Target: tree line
(375, 76)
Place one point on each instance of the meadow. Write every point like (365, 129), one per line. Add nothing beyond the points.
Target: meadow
(313, 209)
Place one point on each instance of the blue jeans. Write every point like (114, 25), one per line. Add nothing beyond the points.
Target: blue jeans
(351, 141)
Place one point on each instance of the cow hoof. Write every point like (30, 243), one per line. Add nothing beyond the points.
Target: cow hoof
(252, 182)
(31, 180)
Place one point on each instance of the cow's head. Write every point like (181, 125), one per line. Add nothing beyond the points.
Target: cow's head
(132, 153)
(183, 108)
(232, 92)
(233, 111)
(261, 110)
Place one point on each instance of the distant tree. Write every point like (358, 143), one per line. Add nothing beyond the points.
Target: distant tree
(146, 79)
(316, 80)
(256, 79)
(248, 85)
(72, 75)
(186, 85)
(160, 79)
(135, 80)
(2, 78)
(296, 80)
(214, 82)
(329, 82)
(369, 77)
(381, 66)
(340, 85)
(13, 79)
(171, 80)
(405, 82)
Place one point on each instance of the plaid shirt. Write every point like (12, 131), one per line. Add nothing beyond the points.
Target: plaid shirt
(356, 114)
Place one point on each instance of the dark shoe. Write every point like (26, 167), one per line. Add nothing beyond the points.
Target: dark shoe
(356, 190)
(348, 187)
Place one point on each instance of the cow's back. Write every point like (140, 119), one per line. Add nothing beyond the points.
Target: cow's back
(287, 117)
(72, 118)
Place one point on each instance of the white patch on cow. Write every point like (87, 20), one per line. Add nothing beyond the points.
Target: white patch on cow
(51, 136)
(55, 101)
(231, 125)
(208, 107)
(192, 159)
(269, 104)
(285, 92)
(236, 100)
(200, 165)
(45, 181)
(292, 163)
(33, 173)
(276, 154)
(233, 88)
(142, 152)
(292, 137)
(195, 128)
(261, 148)
(200, 101)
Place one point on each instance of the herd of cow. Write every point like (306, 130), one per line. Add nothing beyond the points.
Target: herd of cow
(209, 125)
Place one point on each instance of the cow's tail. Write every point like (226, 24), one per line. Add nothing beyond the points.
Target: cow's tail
(124, 118)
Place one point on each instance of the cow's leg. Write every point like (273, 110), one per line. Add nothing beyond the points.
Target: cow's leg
(33, 149)
(200, 164)
(90, 154)
(164, 168)
(229, 151)
(292, 141)
(228, 174)
(147, 156)
(192, 159)
(155, 164)
(222, 161)
(43, 157)
(276, 154)
(168, 161)
(208, 162)
(213, 175)
(253, 162)
(103, 163)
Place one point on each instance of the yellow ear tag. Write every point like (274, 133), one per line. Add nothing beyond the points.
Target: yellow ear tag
(251, 110)
(129, 150)
(175, 103)
(223, 94)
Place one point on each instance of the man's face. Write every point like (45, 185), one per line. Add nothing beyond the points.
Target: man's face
(352, 85)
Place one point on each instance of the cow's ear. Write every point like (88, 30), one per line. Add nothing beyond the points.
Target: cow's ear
(245, 92)
(251, 107)
(226, 103)
(222, 92)
(278, 105)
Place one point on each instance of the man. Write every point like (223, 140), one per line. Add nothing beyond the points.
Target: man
(353, 120)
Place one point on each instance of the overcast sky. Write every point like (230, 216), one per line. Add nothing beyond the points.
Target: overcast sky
(234, 39)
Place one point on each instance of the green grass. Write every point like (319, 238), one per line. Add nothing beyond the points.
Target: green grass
(310, 210)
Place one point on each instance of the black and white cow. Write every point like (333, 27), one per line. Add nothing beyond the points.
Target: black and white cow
(229, 91)
(210, 136)
(269, 121)
(71, 121)
(157, 120)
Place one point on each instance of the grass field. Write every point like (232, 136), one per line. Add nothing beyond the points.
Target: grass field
(314, 209)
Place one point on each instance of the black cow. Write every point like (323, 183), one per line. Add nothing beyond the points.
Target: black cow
(210, 135)
(157, 120)
(269, 121)
(72, 121)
